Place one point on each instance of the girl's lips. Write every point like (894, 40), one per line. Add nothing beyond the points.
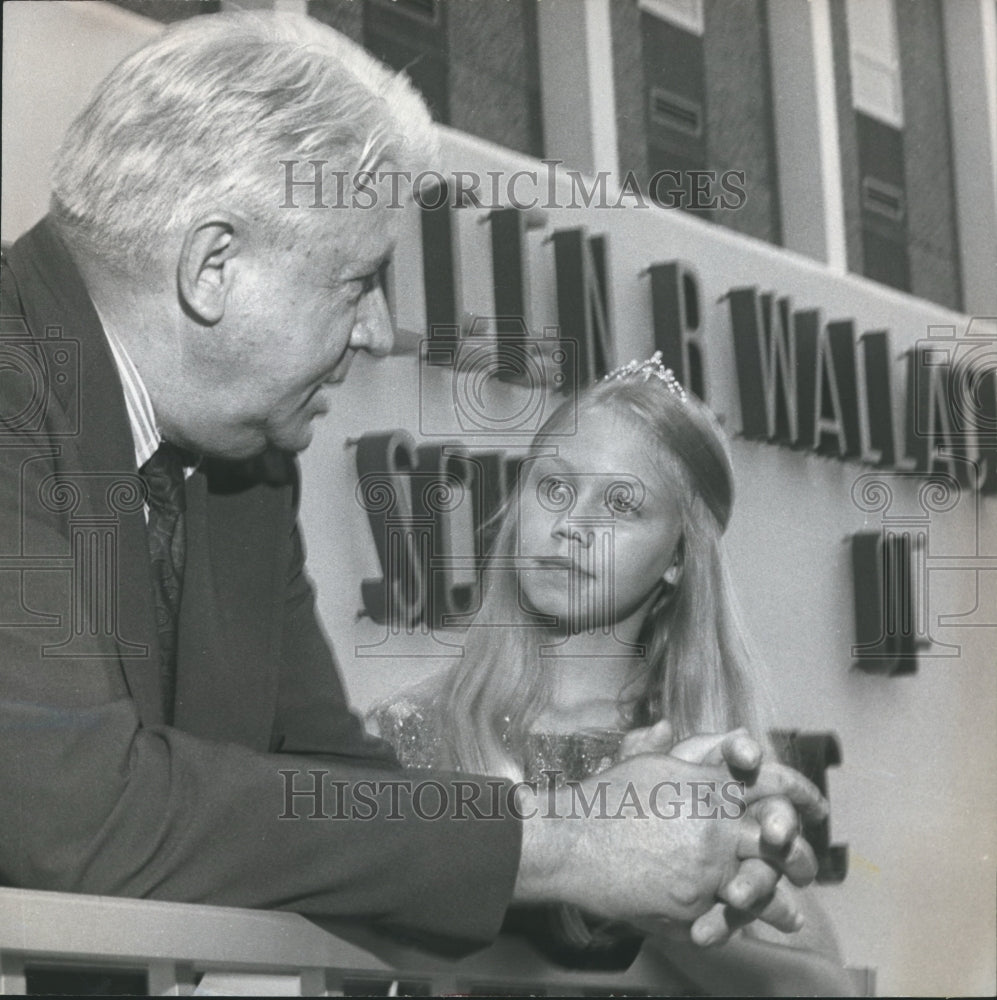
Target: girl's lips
(560, 562)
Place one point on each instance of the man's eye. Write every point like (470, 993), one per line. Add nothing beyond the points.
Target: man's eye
(364, 284)
(376, 279)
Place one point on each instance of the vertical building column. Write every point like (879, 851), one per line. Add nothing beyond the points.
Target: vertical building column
(970, 47)
(576, 84)
(806, 130)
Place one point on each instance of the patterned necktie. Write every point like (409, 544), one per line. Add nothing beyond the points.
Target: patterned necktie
(164, 478)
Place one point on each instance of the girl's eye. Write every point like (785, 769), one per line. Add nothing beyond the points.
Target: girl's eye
(555, 494)
(621, 498)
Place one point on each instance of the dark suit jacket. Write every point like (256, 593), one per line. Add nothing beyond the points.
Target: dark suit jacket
(96, 794)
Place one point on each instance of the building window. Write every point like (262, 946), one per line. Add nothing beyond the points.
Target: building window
(694, 109)
(877, 101)
(687, 14)
(674, 97)
(874, 60)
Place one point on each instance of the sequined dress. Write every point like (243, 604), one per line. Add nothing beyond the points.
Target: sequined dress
(413, 725)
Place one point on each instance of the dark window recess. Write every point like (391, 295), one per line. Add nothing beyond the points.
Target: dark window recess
(426, 9)
(411, 35)
(624, 991)
(675, 104)
(883, 199)
(675, 112)
(494, 68)
(363, 987)
(882, 202)
(69, 981)
(504, 990)
(534, 144)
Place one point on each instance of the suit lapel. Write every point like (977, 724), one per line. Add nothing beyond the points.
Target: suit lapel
(95, 446)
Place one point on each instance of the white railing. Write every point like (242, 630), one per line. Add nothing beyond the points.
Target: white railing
(173, 949)
(171, 943)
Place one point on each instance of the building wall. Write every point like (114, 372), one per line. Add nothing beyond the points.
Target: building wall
(343, 15)
(739, 112)
(847, 138)
(628, 82)
(83, 41)
(931, 231)
(494, 73)
(492, 69)
(493, 92)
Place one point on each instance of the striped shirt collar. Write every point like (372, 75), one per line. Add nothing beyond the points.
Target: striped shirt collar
(141, 416)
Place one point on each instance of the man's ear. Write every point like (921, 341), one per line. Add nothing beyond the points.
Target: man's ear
(205, 271)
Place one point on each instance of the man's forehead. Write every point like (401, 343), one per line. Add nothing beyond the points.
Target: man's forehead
(352, 240)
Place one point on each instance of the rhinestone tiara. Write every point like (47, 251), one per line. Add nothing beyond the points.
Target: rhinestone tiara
(653, 367)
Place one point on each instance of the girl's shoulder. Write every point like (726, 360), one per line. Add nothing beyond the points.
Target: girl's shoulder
(570, 756)
(411, 721)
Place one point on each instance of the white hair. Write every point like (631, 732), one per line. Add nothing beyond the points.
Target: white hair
(201, 117)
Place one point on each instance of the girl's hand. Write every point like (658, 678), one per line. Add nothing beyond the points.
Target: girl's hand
(736, 749)
(652, 739)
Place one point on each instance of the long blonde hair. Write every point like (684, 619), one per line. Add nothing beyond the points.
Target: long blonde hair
(699, 673)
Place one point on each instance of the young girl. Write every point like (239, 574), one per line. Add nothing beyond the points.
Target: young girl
(607, 609)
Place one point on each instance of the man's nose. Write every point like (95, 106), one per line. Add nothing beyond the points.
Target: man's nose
(372, 331)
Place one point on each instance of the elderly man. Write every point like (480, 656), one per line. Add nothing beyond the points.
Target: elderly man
(154, 703)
